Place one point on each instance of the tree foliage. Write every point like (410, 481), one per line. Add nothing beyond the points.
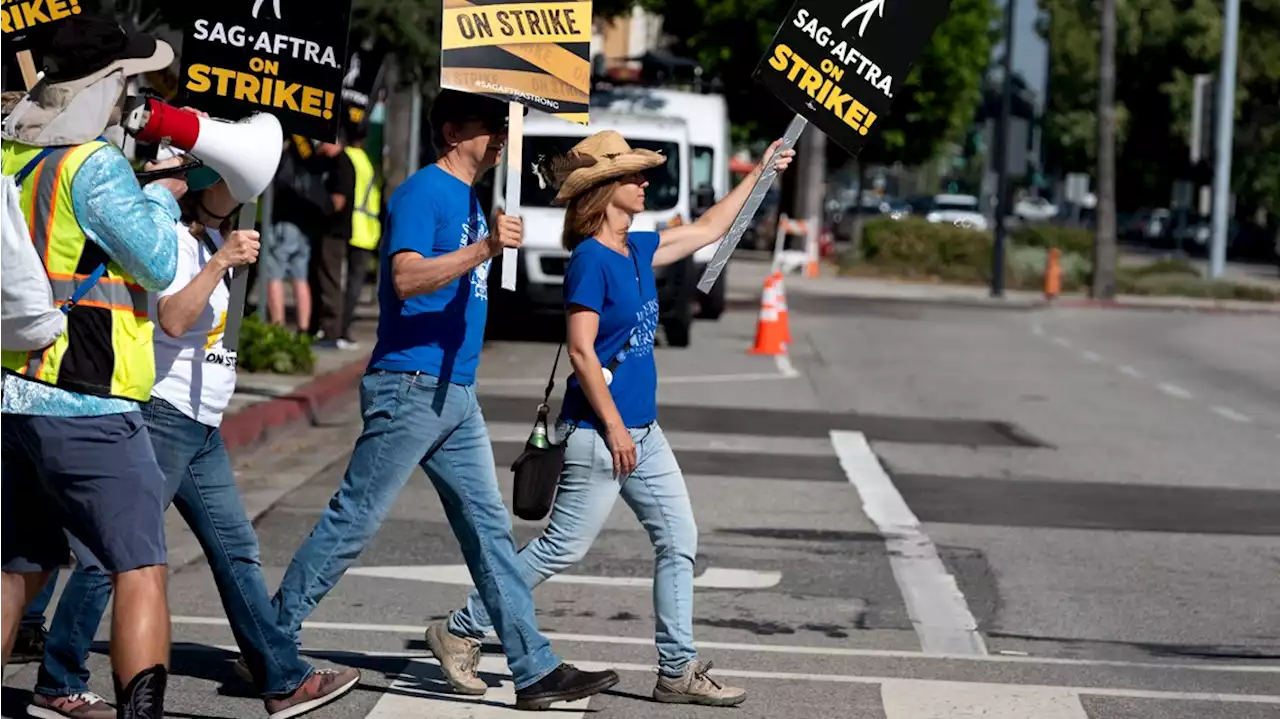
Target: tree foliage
(1161, 45)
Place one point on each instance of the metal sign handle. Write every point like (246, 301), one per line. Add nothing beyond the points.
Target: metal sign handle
(239, 284)
(748, 211)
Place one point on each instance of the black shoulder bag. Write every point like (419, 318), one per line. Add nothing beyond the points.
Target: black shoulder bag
(537, 469)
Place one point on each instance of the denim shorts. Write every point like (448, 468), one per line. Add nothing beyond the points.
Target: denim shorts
(288, 255)
(88, 485)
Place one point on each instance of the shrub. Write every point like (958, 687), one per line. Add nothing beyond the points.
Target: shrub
(1160, 267)
(1182, 285)
(1068, 239)
(271, 348)
(919, 248)
(1026, 268)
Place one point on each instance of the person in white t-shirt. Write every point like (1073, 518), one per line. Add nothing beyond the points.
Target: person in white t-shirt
(195, 378)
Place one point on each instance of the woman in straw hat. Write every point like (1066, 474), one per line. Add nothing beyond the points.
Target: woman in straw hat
(613, 444)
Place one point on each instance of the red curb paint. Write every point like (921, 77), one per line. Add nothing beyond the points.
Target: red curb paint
(252, 423)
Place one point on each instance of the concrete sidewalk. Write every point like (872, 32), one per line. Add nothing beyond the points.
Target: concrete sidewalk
(265, 402)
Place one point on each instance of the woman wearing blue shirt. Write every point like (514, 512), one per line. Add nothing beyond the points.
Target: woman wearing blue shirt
(614, 444)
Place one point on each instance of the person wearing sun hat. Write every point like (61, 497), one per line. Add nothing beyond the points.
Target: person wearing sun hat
(608, 421)
(79, 472)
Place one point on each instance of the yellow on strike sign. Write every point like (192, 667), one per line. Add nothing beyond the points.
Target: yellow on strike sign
(534, 53)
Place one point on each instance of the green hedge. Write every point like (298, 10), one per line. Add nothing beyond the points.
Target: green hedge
(915, 249)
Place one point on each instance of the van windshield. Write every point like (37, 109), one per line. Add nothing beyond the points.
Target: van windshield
(663, 192)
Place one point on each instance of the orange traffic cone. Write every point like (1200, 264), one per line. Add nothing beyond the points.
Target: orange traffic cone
(1053, 274)
(783, 318)
(771, 330)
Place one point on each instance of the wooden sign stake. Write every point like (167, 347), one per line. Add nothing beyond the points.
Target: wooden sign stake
(515, 160)
(28, 67)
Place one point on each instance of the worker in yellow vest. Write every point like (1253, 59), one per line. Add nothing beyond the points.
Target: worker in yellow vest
(366, 228)
(79, 472)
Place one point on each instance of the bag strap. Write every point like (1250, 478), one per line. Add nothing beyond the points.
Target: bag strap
(87, 284)
(551, 381)
(213, 250)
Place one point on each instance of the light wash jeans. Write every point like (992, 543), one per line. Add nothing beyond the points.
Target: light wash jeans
(200, 481)
(413, 419)
(656, 492)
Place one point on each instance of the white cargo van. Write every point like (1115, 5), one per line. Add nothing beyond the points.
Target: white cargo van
(707, 116)
(540, 275)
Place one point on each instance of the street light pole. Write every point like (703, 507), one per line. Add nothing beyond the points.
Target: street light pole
(1001, 141)
(1222, 159)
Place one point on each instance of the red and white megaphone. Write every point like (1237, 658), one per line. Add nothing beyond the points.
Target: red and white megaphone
(246, 153)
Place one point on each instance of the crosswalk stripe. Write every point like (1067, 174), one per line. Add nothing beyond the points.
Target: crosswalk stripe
(925, 700)
(458, 574)
(405, 697)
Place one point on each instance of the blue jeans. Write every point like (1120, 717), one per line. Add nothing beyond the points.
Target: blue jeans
(34, 616)
(201, 482)
(413, 419)
(656, 492)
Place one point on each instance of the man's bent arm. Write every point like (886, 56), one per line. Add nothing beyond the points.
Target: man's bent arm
(133, 225)
(414, 275)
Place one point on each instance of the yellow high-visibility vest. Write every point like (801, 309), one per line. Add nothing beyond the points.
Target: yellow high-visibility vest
(366, 228)
(107, 348)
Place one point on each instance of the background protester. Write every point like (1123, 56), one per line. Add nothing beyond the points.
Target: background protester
(330, 255)
(366, 228)
(300, 206)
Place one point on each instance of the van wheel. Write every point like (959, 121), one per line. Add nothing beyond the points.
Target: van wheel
(712, 304)
(677, 331)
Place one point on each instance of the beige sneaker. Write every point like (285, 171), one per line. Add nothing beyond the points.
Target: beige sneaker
(697, 687)
(459, 657)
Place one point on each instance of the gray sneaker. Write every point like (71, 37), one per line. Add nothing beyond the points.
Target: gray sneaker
(459, 657)
(76, 706)
(697, 687)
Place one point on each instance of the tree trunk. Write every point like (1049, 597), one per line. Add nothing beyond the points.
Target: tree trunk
(1104, 242)
(859, 218)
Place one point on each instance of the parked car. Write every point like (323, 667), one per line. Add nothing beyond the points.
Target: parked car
(958, 210)
(1035, 209)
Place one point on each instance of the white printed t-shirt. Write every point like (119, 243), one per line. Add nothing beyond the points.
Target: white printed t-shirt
(193, 372)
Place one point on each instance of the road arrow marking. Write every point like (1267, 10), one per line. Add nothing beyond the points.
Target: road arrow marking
(713, 578)
(421, 691)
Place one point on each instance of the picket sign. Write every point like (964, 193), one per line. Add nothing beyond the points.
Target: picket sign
(515, 158)
(748, 211)
(239, 285)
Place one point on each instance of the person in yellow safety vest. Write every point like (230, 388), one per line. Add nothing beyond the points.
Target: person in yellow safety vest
(79, 472)
(366, 230)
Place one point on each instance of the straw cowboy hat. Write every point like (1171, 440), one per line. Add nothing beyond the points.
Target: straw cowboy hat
(603, 156)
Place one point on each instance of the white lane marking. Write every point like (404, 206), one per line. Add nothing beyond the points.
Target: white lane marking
(1091, 356)
(923, 685)
(411, 695)
(1174, 390)
(1231, 414)
(415, 630)
(1061, 341)
(458, 574)
(934, 601)
(903, 700)
(1126, 369)
(785, 368)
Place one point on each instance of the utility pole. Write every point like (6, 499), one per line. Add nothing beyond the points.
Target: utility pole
(1104, 240)
(1001, 142)
(1222, 153)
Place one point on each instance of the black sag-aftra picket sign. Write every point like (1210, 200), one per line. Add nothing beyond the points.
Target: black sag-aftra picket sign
(285, 57)
(840, 64)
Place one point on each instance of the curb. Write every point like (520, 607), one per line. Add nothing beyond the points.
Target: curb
(1209, 307)
(252, 424)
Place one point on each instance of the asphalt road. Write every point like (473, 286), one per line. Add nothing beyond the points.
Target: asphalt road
(928, 512)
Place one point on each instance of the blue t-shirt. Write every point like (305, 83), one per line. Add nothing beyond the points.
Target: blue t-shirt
(622, 291)
(441, 334)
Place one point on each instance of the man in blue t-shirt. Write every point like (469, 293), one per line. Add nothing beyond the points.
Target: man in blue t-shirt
(419, 406)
